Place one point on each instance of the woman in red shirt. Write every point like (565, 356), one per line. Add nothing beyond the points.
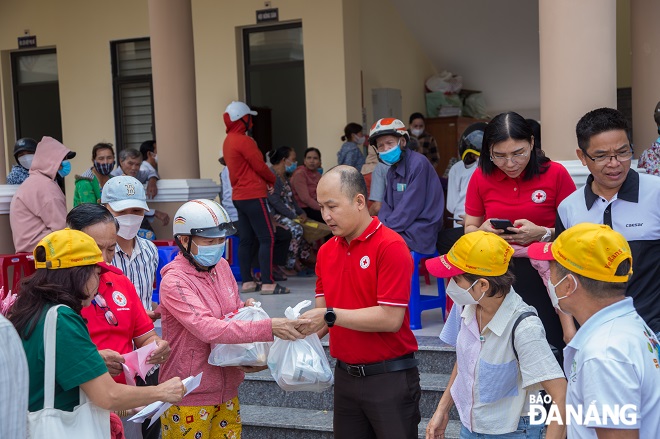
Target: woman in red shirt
(516, 183)
(304, 181)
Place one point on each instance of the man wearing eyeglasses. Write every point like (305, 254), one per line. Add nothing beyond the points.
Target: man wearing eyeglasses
(618, 196)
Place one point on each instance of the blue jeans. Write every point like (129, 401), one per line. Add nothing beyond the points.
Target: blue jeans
(524, 431)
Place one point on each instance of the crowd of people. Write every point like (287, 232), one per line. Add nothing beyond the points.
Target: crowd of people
(555, 289)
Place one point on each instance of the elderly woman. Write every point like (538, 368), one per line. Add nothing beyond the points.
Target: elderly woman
(198, 295)
(515, 183)
(69, 264)
(304, 181)
(494, 376)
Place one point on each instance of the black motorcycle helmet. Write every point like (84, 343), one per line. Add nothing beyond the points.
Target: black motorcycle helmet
(471, 139)
(25, 144)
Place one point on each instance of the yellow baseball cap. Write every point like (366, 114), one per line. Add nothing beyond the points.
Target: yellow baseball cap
(71, 248)
(590, 250)
(480, 253)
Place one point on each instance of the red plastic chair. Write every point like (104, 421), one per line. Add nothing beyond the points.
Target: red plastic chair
(21, 265)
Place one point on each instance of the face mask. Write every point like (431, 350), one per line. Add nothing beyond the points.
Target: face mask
(129, 225)
(26, 160)
(391, 156)
(320, 170)
(156, 158)
(553, 294)
(292, 167)
(360, 140)
(417, 132)
(209, 255)
(66, 168)
(104, 168)
(460, 295)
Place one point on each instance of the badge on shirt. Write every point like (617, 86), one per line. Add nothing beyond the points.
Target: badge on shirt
(119, 298)
(400, 187)
(539, 196)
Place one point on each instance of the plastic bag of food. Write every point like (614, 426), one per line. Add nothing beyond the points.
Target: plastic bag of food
(300, 365)
(242, 354)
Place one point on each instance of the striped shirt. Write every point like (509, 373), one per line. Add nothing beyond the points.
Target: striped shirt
(140, 267)
(13, 383)
(491, 390)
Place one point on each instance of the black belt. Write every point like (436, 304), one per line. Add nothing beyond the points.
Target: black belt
(404, 362)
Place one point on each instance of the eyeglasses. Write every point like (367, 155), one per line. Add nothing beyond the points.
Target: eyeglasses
(109, 316)
(619, 157)
(517, 159)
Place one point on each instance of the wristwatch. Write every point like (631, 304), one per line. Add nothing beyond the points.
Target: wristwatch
(330, 317)
(547, 236)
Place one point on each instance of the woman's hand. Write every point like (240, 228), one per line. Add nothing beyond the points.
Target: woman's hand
(486, 226)
(161, 353)
(249, 302)
(113, 361)
(437, 425)
(526, 232)
(172, 390)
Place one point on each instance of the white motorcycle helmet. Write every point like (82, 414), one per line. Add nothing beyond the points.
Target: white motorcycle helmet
(388, 126)
(204, 218)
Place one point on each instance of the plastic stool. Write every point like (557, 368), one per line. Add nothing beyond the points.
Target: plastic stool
(165, 256)
(231, 255)
(421, 302)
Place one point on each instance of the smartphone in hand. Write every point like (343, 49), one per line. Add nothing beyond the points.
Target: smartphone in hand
(502, 224)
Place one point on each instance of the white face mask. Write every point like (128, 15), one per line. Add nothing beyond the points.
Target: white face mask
(359, 140)
(460, 295)
(417, 132)
(553, 294)
(129, 225)
(26, 160)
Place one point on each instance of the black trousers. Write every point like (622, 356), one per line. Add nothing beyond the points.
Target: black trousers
(152, 432)
(384, 406)
(447, 238)
(254, 224)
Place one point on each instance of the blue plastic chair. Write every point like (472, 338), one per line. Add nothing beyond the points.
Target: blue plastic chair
(421, 302)
(165, 256)
(231, 255)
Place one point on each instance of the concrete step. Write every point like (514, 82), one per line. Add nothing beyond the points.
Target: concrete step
(261, 389)
(263, 422)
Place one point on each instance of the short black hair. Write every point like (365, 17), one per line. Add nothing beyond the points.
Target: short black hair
(598, 121)
(597, 288)
(102, 145)
(147, 147)
(507, 126)
(415, 116)
(281, 153)
(88, 214)
(351, 180)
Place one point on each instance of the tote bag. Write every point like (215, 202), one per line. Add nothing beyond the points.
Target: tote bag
(85, 421)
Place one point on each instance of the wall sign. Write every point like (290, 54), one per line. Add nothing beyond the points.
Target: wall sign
(271, 14)
(27, 41)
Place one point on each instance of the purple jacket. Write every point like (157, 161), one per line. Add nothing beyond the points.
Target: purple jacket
(414, 202)
(192, 306)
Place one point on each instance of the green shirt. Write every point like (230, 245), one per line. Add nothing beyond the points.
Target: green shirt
(87, 191)
(77, 360)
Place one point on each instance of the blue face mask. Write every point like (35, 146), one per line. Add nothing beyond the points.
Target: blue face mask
(391, 156)
(209, 255)
(292, 167)
(320, 169)
(66, 168)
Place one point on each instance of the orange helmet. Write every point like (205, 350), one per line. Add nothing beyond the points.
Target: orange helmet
(387, 126)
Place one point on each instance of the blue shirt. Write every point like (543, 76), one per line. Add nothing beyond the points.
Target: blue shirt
(614, 360)
(414, 202)
(350, 154)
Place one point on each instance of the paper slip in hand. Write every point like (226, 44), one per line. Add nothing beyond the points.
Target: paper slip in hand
(129, 375)
(156, 409)
(136, 361)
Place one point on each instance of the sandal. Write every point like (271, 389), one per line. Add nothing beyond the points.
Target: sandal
(256, 287)
(279, 289)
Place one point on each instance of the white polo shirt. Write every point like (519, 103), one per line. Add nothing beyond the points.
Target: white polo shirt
(614, 359)
(635, 213)
(491, 390)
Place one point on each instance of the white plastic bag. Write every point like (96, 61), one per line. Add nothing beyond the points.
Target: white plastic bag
(300, 365)
(242, 354)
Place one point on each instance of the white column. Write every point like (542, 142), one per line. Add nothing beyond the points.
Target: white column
(645, 42)
(577, 42)
(175, 104)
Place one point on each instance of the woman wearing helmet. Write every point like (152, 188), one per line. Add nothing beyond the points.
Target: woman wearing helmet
(197, 290)
(414, 201)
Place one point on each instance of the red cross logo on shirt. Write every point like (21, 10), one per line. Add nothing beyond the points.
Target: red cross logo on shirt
(539, 196)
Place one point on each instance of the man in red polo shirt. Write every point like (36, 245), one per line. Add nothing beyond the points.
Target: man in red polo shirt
(362, 294)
